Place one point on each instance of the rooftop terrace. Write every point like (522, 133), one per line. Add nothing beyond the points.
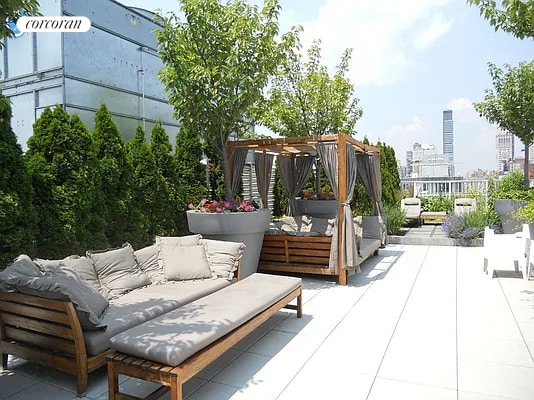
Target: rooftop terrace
(419, 322)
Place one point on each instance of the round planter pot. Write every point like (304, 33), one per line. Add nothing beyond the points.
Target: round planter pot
(506, 208)
(243, 227)
(318, 208)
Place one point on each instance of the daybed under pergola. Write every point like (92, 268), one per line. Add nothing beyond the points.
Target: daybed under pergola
(344, 159)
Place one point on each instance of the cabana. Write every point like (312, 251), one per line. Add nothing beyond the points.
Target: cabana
(344, 159)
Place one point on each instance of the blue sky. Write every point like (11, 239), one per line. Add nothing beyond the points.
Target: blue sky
(411, 60)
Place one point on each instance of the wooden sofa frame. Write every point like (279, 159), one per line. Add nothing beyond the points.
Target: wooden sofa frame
(46, 332)
(299, 254)
(173, 378)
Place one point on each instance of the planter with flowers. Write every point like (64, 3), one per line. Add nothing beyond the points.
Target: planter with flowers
(322, 205)
(241, 223)
(218, 57)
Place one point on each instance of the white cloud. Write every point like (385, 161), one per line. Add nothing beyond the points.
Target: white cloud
(381, 33)
(437, 28)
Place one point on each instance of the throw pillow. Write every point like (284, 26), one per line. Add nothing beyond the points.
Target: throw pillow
(185, 263)
(23, 266)
(174, 241)
(68, 285)
(117, 270)
(81, 265)
(323, 226)
(223, 257)
(147, 258)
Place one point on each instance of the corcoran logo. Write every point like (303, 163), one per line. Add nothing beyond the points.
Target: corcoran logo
(53, 24)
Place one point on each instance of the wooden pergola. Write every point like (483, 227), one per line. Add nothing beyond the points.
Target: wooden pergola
(307, 146)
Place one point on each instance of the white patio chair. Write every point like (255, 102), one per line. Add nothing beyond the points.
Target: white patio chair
(412, 207)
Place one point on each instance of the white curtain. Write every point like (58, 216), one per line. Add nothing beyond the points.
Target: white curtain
(294, 172)
(263, 165)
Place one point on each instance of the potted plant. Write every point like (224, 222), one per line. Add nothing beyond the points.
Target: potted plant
(218, 58)
(320, 205)
(509, 197)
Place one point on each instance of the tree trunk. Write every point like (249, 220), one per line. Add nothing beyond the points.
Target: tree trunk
(526, 179)
(227, 176)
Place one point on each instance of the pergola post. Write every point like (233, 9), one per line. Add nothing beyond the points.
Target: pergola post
(342, 196)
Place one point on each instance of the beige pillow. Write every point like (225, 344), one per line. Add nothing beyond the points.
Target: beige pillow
(147, 258)
(182, 263)
(118, 270)
(83, 266)
(175, 241)
(223, 257)
(323, 226)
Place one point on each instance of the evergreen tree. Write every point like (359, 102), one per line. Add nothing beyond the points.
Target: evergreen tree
(147, 184)
(190, 174)
(390, 174)
(17, 215)
(62, 168)
(161, 149)
(115, 173)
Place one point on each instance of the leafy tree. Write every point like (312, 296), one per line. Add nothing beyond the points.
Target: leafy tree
(148, 183)
(115, 173)
(12, 10)
(390, 174)
(217, 62)
(514, 16)
(510, 104)
(306, 100)
(17, 215)
(62, 168)
(161, 150)
(190, 174)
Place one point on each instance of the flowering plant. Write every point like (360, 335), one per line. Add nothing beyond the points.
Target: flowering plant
(309, 195)
(463, 227)
(222, 206)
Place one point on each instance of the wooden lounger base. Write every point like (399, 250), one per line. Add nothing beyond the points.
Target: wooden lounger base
(173, 378)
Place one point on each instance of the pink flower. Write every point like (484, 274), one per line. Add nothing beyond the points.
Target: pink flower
(190, 206)
(202, 209)
(203, 201)
(227, 205)
(218, 209)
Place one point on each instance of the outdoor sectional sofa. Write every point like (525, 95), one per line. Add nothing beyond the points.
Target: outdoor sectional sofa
(303, 244)
(63, 313)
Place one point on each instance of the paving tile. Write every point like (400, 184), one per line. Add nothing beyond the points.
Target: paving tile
(241, 370)
(496, 379)
(511, 352)
(42, 390)
(13, 382)
(250, 339)
(478, 396)
(272, 343)
(219, 364)
(214, 391)
(390, 389)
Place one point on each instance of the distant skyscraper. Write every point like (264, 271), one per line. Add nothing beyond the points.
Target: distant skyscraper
(504, 148)
(448, 135)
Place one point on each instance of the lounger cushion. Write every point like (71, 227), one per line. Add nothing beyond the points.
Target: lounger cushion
(117, 270)
(324, 226)
(368, 247)
(147, 258)
(223, 257)
(177, 335)
(144, 304)
(185, 263)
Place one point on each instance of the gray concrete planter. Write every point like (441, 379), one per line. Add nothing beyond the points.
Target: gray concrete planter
(244, 227)
(318, 208)
(506, 208)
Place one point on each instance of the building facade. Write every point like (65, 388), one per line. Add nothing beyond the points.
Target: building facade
(448, 137)
(504, 150)
(115, 62)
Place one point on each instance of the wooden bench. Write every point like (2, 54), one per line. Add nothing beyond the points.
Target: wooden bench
(134, 358)
(434, 216)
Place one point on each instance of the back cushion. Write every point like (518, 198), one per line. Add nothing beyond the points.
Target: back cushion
(23, 266)
(117, 270)
(223, 257)
(81, 265)
(323, 226)
(184, 262)
(147, 258)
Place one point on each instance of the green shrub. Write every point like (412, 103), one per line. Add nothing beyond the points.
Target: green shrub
(396, 217)
(437, 203)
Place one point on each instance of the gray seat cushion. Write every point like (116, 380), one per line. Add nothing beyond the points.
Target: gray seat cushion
(368, 247)
(177, 335)
(143, 304)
